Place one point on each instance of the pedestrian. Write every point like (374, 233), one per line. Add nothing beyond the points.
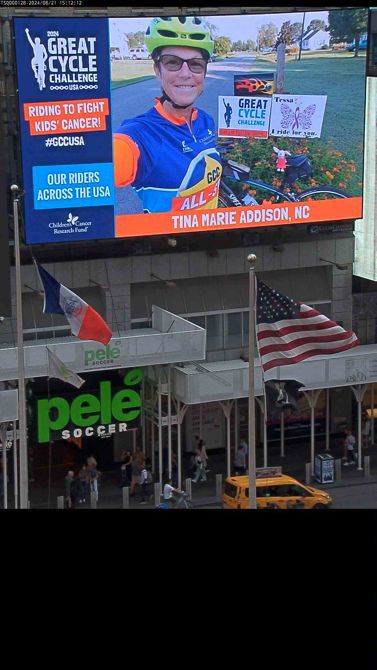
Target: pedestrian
(201, 463)
(366, 428)
(125, 468)
(245, 448)
(192, 457)
(203, 454)
(145, 482)
(93, 475)
(83, 484)
(76, 491)
(91, 461)
(136, 468)
(168, 494)
(240, 458)
(174, 468)
(350, 443)
(68, 487)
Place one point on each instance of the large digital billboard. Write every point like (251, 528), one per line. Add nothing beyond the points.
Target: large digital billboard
(140, 126)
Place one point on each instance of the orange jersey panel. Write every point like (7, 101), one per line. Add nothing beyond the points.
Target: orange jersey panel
(126, 156)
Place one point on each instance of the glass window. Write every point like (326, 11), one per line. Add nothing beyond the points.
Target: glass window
(38, 325)
(233, 330)
(230, 490)
(361, 329)
(245, 328)
(323, 308)
(372, 64)
(135, 325)
(374, 49)
(283, 490)
(211, 293)
(371, 330)
(235, 291)
(194, 296)
(174, 297)
(46, 334)
(245, 333)
(33, 316)
(296, 490)
(271, 491)
(215, 331)
(198, 320)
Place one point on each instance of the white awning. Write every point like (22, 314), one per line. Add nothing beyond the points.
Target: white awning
(223, 380)
(171, 339)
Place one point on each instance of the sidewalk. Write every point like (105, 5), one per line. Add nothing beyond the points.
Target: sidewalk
(203, 493)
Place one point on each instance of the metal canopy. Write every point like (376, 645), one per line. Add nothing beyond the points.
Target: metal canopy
(171, 339)
(210, 382)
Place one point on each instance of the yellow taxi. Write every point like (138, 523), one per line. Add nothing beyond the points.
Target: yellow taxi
(274, 491)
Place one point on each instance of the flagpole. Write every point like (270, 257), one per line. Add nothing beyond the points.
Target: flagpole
(15, 465)
(23, 460)
(252, 474)
(49, 443)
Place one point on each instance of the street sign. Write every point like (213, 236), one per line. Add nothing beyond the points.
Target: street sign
(268, 472)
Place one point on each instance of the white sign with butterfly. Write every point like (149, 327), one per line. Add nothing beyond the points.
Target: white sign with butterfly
(297, 115)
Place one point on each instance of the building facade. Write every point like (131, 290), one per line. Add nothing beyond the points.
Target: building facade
(199, 285)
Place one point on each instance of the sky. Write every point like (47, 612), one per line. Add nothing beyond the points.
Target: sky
(242, 27)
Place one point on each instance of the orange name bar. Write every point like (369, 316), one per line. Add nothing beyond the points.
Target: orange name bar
(290, 213)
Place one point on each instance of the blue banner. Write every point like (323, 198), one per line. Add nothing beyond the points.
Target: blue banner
(63, 73)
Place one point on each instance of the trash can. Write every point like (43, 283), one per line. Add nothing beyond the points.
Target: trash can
(324, 468)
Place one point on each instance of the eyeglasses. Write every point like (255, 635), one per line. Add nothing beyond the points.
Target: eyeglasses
(175, 63)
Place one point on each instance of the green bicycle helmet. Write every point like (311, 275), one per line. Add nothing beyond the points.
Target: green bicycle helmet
(179, 31)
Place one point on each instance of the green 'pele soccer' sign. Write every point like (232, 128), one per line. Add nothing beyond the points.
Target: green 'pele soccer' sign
(89, 414)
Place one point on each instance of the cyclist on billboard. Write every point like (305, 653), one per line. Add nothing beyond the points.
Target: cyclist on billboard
(228, 113)
(38, 62)
(168, 153)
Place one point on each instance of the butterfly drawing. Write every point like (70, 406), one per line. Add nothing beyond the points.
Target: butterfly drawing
(297, 117)
(72, 219)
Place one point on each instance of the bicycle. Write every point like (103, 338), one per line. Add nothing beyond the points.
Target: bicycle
(298, 167)
(183, 502)
(40, 76)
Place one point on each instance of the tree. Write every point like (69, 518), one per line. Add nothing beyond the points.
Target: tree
(136, 39)
(348, 24)
(250, 45)
(238, 46)
(267, 36)
(316, 24)
(213, 29)
(290, 32)
(223, 46)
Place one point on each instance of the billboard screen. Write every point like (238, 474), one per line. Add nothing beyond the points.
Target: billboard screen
(117, 144)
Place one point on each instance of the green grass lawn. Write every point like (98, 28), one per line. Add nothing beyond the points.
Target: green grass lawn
(128, 71)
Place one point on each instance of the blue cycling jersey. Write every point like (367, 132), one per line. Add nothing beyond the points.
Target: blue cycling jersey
(179, 168)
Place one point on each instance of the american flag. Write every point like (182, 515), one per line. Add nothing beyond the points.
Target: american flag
(289, 331)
